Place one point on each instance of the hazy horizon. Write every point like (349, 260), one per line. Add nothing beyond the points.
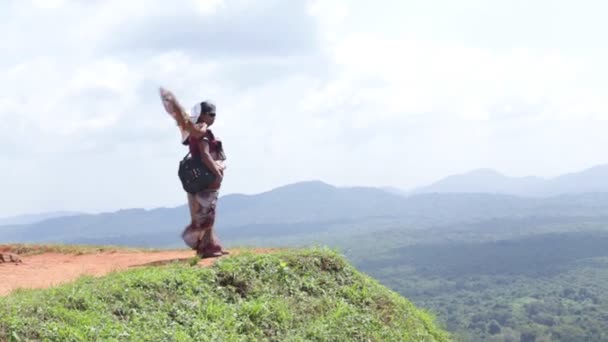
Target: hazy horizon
(347, 92)
(410, 191)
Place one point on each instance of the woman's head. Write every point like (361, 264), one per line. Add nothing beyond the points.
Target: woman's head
(204, 112)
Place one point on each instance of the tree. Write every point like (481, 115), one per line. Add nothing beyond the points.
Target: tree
(494, 328)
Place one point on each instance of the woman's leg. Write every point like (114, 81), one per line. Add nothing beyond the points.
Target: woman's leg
(191, 233)
(209, 244)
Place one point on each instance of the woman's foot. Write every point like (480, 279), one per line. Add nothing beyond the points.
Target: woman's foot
(209, 254)
(212, 252)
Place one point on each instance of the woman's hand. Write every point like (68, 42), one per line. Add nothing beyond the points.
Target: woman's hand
(221, 167)
(170, 102)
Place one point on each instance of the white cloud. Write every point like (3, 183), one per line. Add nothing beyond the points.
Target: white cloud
(207, 7)
(458, 81)
(49, 4)
(301, 94)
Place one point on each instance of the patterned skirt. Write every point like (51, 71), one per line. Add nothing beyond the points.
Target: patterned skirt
(199, 234)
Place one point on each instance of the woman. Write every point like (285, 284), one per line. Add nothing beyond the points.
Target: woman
(200, 234)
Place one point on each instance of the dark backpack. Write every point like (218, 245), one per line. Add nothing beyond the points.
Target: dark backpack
(194, 174)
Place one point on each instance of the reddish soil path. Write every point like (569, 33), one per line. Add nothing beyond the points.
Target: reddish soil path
(50, 269)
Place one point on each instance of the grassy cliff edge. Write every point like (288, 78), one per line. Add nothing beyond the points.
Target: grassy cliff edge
(291, 295)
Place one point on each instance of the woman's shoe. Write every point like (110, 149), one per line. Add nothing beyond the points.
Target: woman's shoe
(210, 254)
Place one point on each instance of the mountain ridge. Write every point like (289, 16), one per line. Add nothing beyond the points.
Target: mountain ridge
(592, 179)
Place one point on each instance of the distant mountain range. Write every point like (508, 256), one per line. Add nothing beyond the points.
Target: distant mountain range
(304, 209)
(594, 179)
(300, 207)
(319, 208)
(33, 218)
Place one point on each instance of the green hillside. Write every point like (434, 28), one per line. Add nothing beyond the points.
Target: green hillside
(296, 295)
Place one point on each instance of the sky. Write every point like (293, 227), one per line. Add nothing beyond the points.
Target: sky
(352, 93)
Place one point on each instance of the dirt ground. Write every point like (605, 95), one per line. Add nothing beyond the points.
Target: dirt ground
(51, 269)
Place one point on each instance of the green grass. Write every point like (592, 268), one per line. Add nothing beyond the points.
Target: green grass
(33, 249)
(295, 295)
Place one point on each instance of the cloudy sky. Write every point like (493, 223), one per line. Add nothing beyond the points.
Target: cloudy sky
(381, 93)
